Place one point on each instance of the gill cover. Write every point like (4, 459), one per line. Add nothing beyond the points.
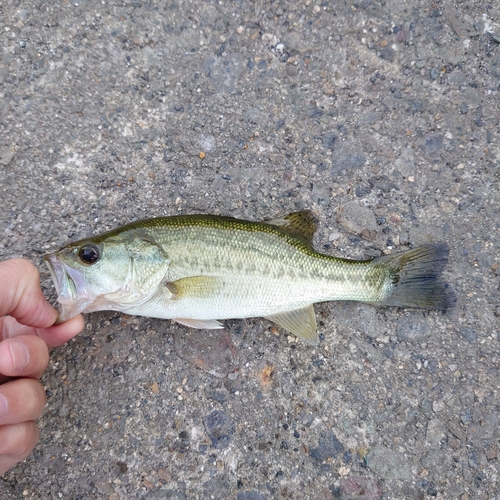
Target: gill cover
(115, 272)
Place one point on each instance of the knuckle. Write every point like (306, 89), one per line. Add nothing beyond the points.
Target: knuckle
(20, 268)
(25, 266)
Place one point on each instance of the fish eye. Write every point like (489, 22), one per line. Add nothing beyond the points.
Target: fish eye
(89, 254)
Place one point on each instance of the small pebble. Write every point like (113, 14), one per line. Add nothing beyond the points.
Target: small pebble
(438, 405)
(344, 471)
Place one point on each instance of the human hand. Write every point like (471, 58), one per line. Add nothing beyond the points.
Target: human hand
(26, 331)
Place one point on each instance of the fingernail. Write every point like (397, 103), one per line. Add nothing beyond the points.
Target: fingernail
(4, 405)
(20, 355)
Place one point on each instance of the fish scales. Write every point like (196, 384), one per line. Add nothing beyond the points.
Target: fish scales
(287, 273)
(197, 269)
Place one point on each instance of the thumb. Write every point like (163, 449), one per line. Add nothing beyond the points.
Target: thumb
(21, 295)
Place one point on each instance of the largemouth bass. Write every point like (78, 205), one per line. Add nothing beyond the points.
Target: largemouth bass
(198, 269)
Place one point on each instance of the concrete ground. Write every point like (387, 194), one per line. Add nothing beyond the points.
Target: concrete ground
(383, 118)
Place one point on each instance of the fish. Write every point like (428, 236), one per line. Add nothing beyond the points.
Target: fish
(200, 269)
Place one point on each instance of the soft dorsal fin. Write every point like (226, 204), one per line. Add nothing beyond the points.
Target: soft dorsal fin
(300, 322)
(300, 225)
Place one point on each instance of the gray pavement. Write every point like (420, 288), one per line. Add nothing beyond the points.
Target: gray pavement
(383, 118)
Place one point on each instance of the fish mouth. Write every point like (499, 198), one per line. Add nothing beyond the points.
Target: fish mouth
(72, 292)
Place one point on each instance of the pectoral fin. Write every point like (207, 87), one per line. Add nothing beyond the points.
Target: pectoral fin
(300, 322)
(199, 287)
(193, 286)
(207, 324)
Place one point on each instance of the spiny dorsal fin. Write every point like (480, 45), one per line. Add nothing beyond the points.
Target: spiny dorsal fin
(300, 322)
(300, 225)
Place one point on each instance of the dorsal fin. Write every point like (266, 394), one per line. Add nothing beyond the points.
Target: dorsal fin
(300, 225)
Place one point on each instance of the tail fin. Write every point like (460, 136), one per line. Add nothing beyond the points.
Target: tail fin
(414, 278)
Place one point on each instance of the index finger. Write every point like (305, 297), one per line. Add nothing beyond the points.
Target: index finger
(57, 335)
(21, 295)
(53, 336)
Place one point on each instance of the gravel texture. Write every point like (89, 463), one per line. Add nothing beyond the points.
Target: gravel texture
(383, 118)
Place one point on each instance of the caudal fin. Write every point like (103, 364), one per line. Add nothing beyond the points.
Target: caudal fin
(414, 278)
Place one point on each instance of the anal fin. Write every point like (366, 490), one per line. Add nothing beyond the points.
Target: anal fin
(300, 322)
(206, 324)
